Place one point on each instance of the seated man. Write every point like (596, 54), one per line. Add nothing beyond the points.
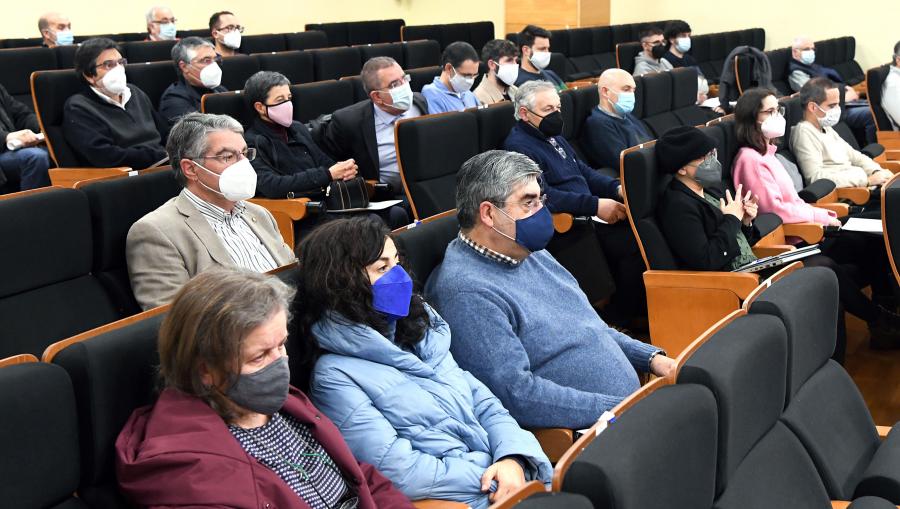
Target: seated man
(364, 131)
(226, 30)
(209, 224)
(56, 30)
(678, 34)
(890, 91)
(574, 187)
(611, 128)
(198, 73)
(651, 58)
(109, 122)
(534, 45)
(20, 154)
(161, 24)
(498, 84)
(803, 67)
(452, 90)
(520, 322)
(821, 152)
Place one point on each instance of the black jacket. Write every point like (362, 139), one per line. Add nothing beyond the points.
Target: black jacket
(351, 134)
(287, 160)
(182, 98)
(699, 235)
(14, 116)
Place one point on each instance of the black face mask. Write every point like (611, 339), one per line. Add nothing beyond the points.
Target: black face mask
(658, 51)
(551, 125)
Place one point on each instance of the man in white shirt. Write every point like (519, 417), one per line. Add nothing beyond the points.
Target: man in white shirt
(890, 91)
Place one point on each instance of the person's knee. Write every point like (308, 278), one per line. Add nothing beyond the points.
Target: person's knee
(34, 158)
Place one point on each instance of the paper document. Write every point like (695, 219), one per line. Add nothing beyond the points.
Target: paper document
(858, 224)
(373, 205)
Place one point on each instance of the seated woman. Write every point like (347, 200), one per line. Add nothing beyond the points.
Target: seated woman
(227, 429)
(709, 231)
(110, 123)
(386, 377)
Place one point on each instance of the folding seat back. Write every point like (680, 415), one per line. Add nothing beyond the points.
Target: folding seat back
(198, 32)
(561, 66)
(626, 53)
(585, 100)
(296, 66)
(310, 39)
(422, 246)
(824, 407)
(337, 33)
(659, 453)
(430, 152)
(638, 110)
(644, 185)
(719, 46)
(28, 42)
(113, 373)
(359, 90)
(335, 63)
(132, 36)
(684, 98)
(18, 64)
(702, 50)
(760, 462)
(419, 32)
(389, 30)
(658, 103)
(494, 124)
(391, 49)
(726, 147)
(567, 109)
(65, 56)
(421, 76)
(39, 438)
(581, 52)
(153, 78)
(115, 205)
(237, 69)
(842, 59)
(424, 53)
(480, 32)
(147, 51)
(534, 496)
(228, 103)
(779, 59)
(874, 82)
(47, 292)
(321, 98)
(51, 89)
(263, 43)
(452, 32)
(363, 32)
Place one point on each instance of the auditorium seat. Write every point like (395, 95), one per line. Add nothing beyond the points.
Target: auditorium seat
(625, 54)
(18, 64)
(422, 245)
(320, 98)
(684, 98)
(533, 495)
(65, 56)
(296, 66)
(393, 50)
(890, 215)
(237, 69)
(153, 78)
(27, 42)
(494, 124)
(147, 51)
(47, 291)
(425, 53)
(228, 103)
(359, 32)
(310, 39)
(335, 63)
(264, 43)
(39, 438)
(475, 33)
(657, 114)
(887, 136)
(359, 91)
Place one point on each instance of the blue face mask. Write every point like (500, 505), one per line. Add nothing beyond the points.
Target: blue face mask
(533, 232)
(392, 292)
(167, 31)
(808, 56)
(625, 104)
(65, 37)
(683, 44)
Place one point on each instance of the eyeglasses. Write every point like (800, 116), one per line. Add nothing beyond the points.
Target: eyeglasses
(164, 21)
(772, 111)
(398, 83)
(530, 204)
(111, 64)
(231, 28)
(230, 156)
(707, 159)
(208, 60)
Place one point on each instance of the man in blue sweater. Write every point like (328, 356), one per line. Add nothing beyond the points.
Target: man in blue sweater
(611, 128)
(520, 322)
(574, 187)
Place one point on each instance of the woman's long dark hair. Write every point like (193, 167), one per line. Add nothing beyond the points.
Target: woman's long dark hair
(746, 113)
(333, 278)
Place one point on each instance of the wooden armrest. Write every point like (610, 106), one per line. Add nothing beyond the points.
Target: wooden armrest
(554, 441)
(772, 250)
(741, 283)
(68, 177)
(841, 209)
(883, 431)
(890, 140)
(893, 166)
(892, 155)
(562, 222)
(809, 232)
(839, 504)
(858, 195)
(370, 188)
(431, 503)
(295, 208)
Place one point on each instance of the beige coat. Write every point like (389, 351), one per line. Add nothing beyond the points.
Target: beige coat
(175, 242)
(825, 155)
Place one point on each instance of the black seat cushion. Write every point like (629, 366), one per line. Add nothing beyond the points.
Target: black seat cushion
(335, 63)
(18, 64)
(393, 50)
(421, 76)
(337, 33)
(237, 69)
(153, 78)
(494, 124)
(319, 98)
(296, 66)
(555, 501)
(229, 103)
(310, 39)
(422, 247)
(147, 51)
(264, 43)
(51, 90)
(421, 54)
(643, 185)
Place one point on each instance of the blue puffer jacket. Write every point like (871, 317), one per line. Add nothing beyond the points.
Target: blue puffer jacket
(429, 426)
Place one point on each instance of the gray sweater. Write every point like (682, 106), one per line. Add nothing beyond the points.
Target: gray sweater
(644, 64)
(529, 333)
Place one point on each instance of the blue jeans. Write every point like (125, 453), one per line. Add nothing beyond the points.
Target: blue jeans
(30, 163)
(859, 118)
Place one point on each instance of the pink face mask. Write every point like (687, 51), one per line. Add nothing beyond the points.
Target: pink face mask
(282, 114)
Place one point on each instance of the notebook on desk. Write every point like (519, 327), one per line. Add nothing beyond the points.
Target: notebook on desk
(778, 260)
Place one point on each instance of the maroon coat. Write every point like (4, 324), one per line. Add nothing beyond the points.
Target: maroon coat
(179, 452)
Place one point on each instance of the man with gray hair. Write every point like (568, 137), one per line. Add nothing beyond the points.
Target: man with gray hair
(574, 187)
(198, 73)
(364, 131)
(210, 223)
(520, 322)
(161, 24)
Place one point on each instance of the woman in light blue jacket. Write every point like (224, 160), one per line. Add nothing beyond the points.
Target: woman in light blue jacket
(385, 376)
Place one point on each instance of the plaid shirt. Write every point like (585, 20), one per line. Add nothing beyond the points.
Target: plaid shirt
(487, 252)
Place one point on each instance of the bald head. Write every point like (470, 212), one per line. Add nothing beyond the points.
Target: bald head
(49, 24)
(614, 78)
(615, 84)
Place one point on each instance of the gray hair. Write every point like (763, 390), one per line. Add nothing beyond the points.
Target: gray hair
(151, 11)
(369, 73)
(526, 93)
(798, 41)
(491, 176)
(186, 49)
(257, 87)
(188, 138)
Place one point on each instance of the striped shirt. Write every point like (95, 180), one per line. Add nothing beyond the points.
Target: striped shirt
(287, 447)
(242, 244)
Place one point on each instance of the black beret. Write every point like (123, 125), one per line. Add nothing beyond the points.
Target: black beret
(681, 145)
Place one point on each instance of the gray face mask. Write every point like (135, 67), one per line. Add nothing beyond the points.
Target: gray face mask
(709, 172)
(265, 391)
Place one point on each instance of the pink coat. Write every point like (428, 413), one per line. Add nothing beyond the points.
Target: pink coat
(766, 177)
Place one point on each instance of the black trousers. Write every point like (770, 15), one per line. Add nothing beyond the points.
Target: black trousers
(627, 267)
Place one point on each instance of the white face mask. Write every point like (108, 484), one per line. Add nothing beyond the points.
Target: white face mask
(211, 75)
(773, 127)
(232, 39)
(508, 73)
(236, 183)
(115, 81)
(401, 97)
(540, 59)
(460, 83)
(831, 118)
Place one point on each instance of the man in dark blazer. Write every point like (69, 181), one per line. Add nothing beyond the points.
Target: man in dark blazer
(365, 130)
(21, 157)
